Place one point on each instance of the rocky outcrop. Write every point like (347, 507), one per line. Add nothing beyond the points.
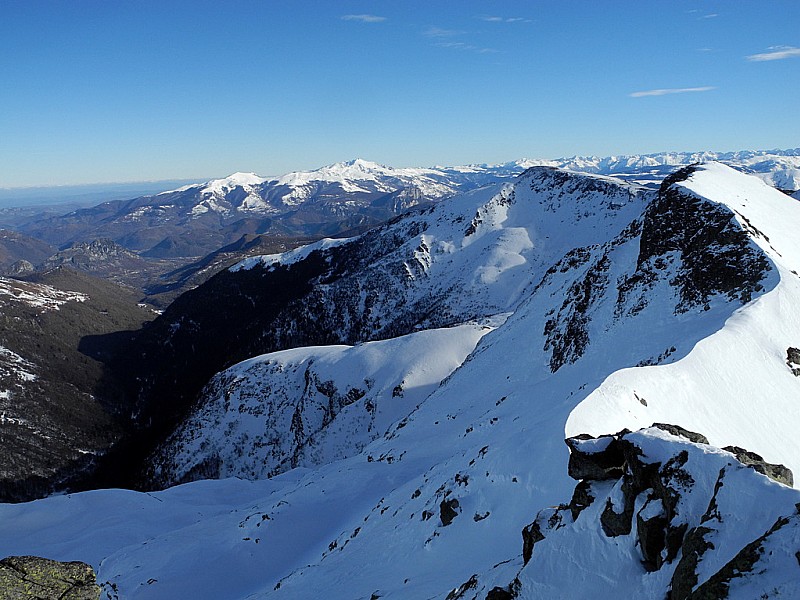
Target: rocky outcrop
(653, 491)
(710, 252)
(779, 473)
(447, 511)
(793, 360)
(26, 577)
(595, 458)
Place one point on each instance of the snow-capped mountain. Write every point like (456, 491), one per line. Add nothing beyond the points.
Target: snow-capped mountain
(198, 219)
(627, 307)
(341, 198)
(331, 400)
(778, 168)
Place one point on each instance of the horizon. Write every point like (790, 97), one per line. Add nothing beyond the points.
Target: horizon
(77, 188)
(100, 93)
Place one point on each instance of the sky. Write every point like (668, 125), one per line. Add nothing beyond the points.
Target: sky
(117, 90)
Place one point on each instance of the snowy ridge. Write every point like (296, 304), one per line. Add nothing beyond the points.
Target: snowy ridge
(287, 258)
(249, 192)
(309, 406)
(698, 281)
(753, 341)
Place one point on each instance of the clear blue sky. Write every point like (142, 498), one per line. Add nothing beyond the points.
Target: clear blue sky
(115, 90)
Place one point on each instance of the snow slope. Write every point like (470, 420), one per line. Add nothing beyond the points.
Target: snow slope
(696, 285)
(309, 406)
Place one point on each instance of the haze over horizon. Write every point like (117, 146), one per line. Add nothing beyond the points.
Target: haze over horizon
(102, 92)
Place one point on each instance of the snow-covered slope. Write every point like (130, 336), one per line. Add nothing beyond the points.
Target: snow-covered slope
(695, 286)
(309, 406)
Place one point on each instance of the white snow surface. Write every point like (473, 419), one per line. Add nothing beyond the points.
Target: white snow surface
(491, 435)
(311, 406)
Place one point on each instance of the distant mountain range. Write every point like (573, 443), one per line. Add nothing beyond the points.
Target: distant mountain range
(340, 199)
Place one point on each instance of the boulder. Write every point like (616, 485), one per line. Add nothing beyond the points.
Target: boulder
(25, 577)
(595, 458)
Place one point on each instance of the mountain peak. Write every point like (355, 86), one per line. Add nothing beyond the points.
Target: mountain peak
(238, 178)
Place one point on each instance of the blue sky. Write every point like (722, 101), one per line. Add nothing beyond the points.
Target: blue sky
(114, 90)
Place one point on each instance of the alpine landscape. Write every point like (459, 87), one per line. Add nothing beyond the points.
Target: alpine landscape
(544, 378)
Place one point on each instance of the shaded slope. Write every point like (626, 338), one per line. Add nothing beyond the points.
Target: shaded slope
(58, 408)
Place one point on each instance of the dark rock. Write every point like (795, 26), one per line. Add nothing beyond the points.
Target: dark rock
(26, 577)
(793, 360)
(712, 252)
(567, 334)
(447, 511)
(459, 592)
(581, 499)
(615, 524)
(499, 593)
(507, 593)
(775, 472)
(697, 438)
(718, 584)
(651, 534)
(531, 535)
(595, 458)
(684, 577)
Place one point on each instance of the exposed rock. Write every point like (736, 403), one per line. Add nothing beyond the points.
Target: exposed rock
(459, 592)
(531, 534)
(712, 253)
(652, 509)
(684, 577)
(26, 577)
(793, 360)
(21, 267)
(652, 539)
(581, 499)
(615, 524)
(697, 438)
(741, 565)
(776, 472)
(509, 592)
(595, 458)
(447, 511)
